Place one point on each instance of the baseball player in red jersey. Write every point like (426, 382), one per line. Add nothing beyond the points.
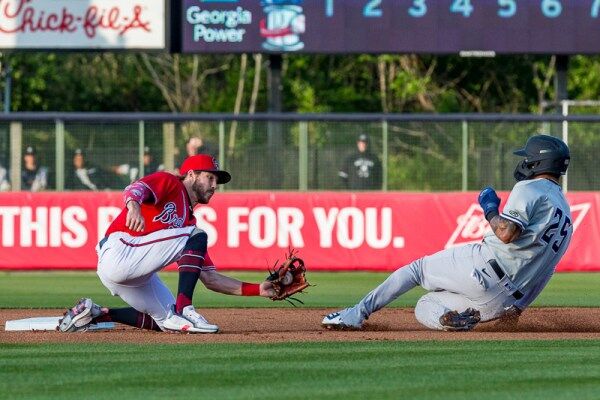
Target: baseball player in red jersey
(156, 228)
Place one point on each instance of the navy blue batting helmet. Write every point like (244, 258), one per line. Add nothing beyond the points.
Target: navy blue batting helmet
(543, 154)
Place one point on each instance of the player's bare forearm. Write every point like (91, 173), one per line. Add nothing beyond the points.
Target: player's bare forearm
(224, 284)
(505, 230)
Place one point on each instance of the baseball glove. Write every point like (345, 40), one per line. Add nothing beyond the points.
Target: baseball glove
(289, 278)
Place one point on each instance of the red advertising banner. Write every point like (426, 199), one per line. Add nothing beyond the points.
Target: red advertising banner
(332, 230)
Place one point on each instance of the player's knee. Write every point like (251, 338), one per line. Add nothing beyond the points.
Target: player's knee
(198, 241)
(428, 312)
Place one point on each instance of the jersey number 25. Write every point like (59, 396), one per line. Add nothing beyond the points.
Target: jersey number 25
(553, 230)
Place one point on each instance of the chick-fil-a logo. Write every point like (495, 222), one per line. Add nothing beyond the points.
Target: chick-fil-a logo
(92, 18)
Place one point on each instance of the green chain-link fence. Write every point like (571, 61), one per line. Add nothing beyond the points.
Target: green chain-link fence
(419, 152)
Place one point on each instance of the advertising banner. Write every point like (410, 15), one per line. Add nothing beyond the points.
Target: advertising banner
(251, 230)
(477, 28)
(82, 24)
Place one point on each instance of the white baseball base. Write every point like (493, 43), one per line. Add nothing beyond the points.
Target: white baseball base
(47, 324)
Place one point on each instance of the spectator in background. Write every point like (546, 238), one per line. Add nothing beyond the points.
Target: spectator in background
(196, 145)
(132, 170)
(362, 169)
(150, 163)
(4, 182)
(83, 176)
(33, 176)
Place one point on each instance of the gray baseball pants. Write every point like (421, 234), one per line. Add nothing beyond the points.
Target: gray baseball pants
(456, 278)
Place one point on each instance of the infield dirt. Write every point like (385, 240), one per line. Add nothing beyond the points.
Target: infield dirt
(267, 325)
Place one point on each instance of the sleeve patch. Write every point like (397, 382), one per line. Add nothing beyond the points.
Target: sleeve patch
(511, 218)
(514, 214)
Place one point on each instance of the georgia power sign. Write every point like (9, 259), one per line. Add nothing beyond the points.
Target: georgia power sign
(82, 24)
(234, 25)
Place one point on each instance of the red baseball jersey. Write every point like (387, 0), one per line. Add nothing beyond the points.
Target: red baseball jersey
(168, 206)
(164, 203)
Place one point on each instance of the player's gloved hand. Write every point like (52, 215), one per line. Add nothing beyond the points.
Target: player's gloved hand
(489, 201)
(289, 278)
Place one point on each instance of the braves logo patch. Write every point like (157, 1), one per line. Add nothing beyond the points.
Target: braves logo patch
(168, 216)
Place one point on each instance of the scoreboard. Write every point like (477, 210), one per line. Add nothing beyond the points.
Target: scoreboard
(391, 26)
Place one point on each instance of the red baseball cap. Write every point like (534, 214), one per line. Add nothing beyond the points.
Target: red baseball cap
(204, 162)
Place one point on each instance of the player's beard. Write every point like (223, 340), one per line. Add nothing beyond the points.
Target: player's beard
(203, 195)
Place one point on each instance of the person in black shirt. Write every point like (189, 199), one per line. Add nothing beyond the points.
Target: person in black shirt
(33, 176)
(361, 169)
(83, 176)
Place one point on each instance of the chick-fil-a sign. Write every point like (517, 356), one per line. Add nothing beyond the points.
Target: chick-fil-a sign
(82, 24)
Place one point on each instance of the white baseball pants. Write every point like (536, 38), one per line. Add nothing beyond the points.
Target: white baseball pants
(128, 267)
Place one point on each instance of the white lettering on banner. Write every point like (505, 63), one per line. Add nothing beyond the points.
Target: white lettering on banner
(204, 217)
(77, 235)
(106, 215)
(55, 228)
(371, 227)
(47, 226)
(265, 226)
(290, 221)
(350, 228)
(235, 226)
(8, 215)
(29, 226)
(353, 227)
(325, 223)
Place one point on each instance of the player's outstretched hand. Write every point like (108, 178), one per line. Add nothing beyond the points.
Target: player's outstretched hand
(266, 289)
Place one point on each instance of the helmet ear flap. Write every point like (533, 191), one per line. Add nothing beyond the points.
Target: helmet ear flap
(561, 165)
(524, 170)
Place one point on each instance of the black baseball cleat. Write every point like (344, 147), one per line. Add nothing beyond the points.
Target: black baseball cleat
(464, 321)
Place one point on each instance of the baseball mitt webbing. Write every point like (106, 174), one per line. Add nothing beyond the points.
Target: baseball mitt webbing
(289, 278)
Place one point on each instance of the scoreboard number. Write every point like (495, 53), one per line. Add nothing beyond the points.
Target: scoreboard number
(507, 8)
(419, 8)
(595, 9)
(371, 9)
(551, 8)
(463, 7)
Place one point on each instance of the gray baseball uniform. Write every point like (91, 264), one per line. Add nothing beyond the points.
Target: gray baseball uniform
(490, 276)
(539, 207)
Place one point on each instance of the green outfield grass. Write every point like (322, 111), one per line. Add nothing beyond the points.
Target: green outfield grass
(61, 289)
(557, 369)
(358, 370)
